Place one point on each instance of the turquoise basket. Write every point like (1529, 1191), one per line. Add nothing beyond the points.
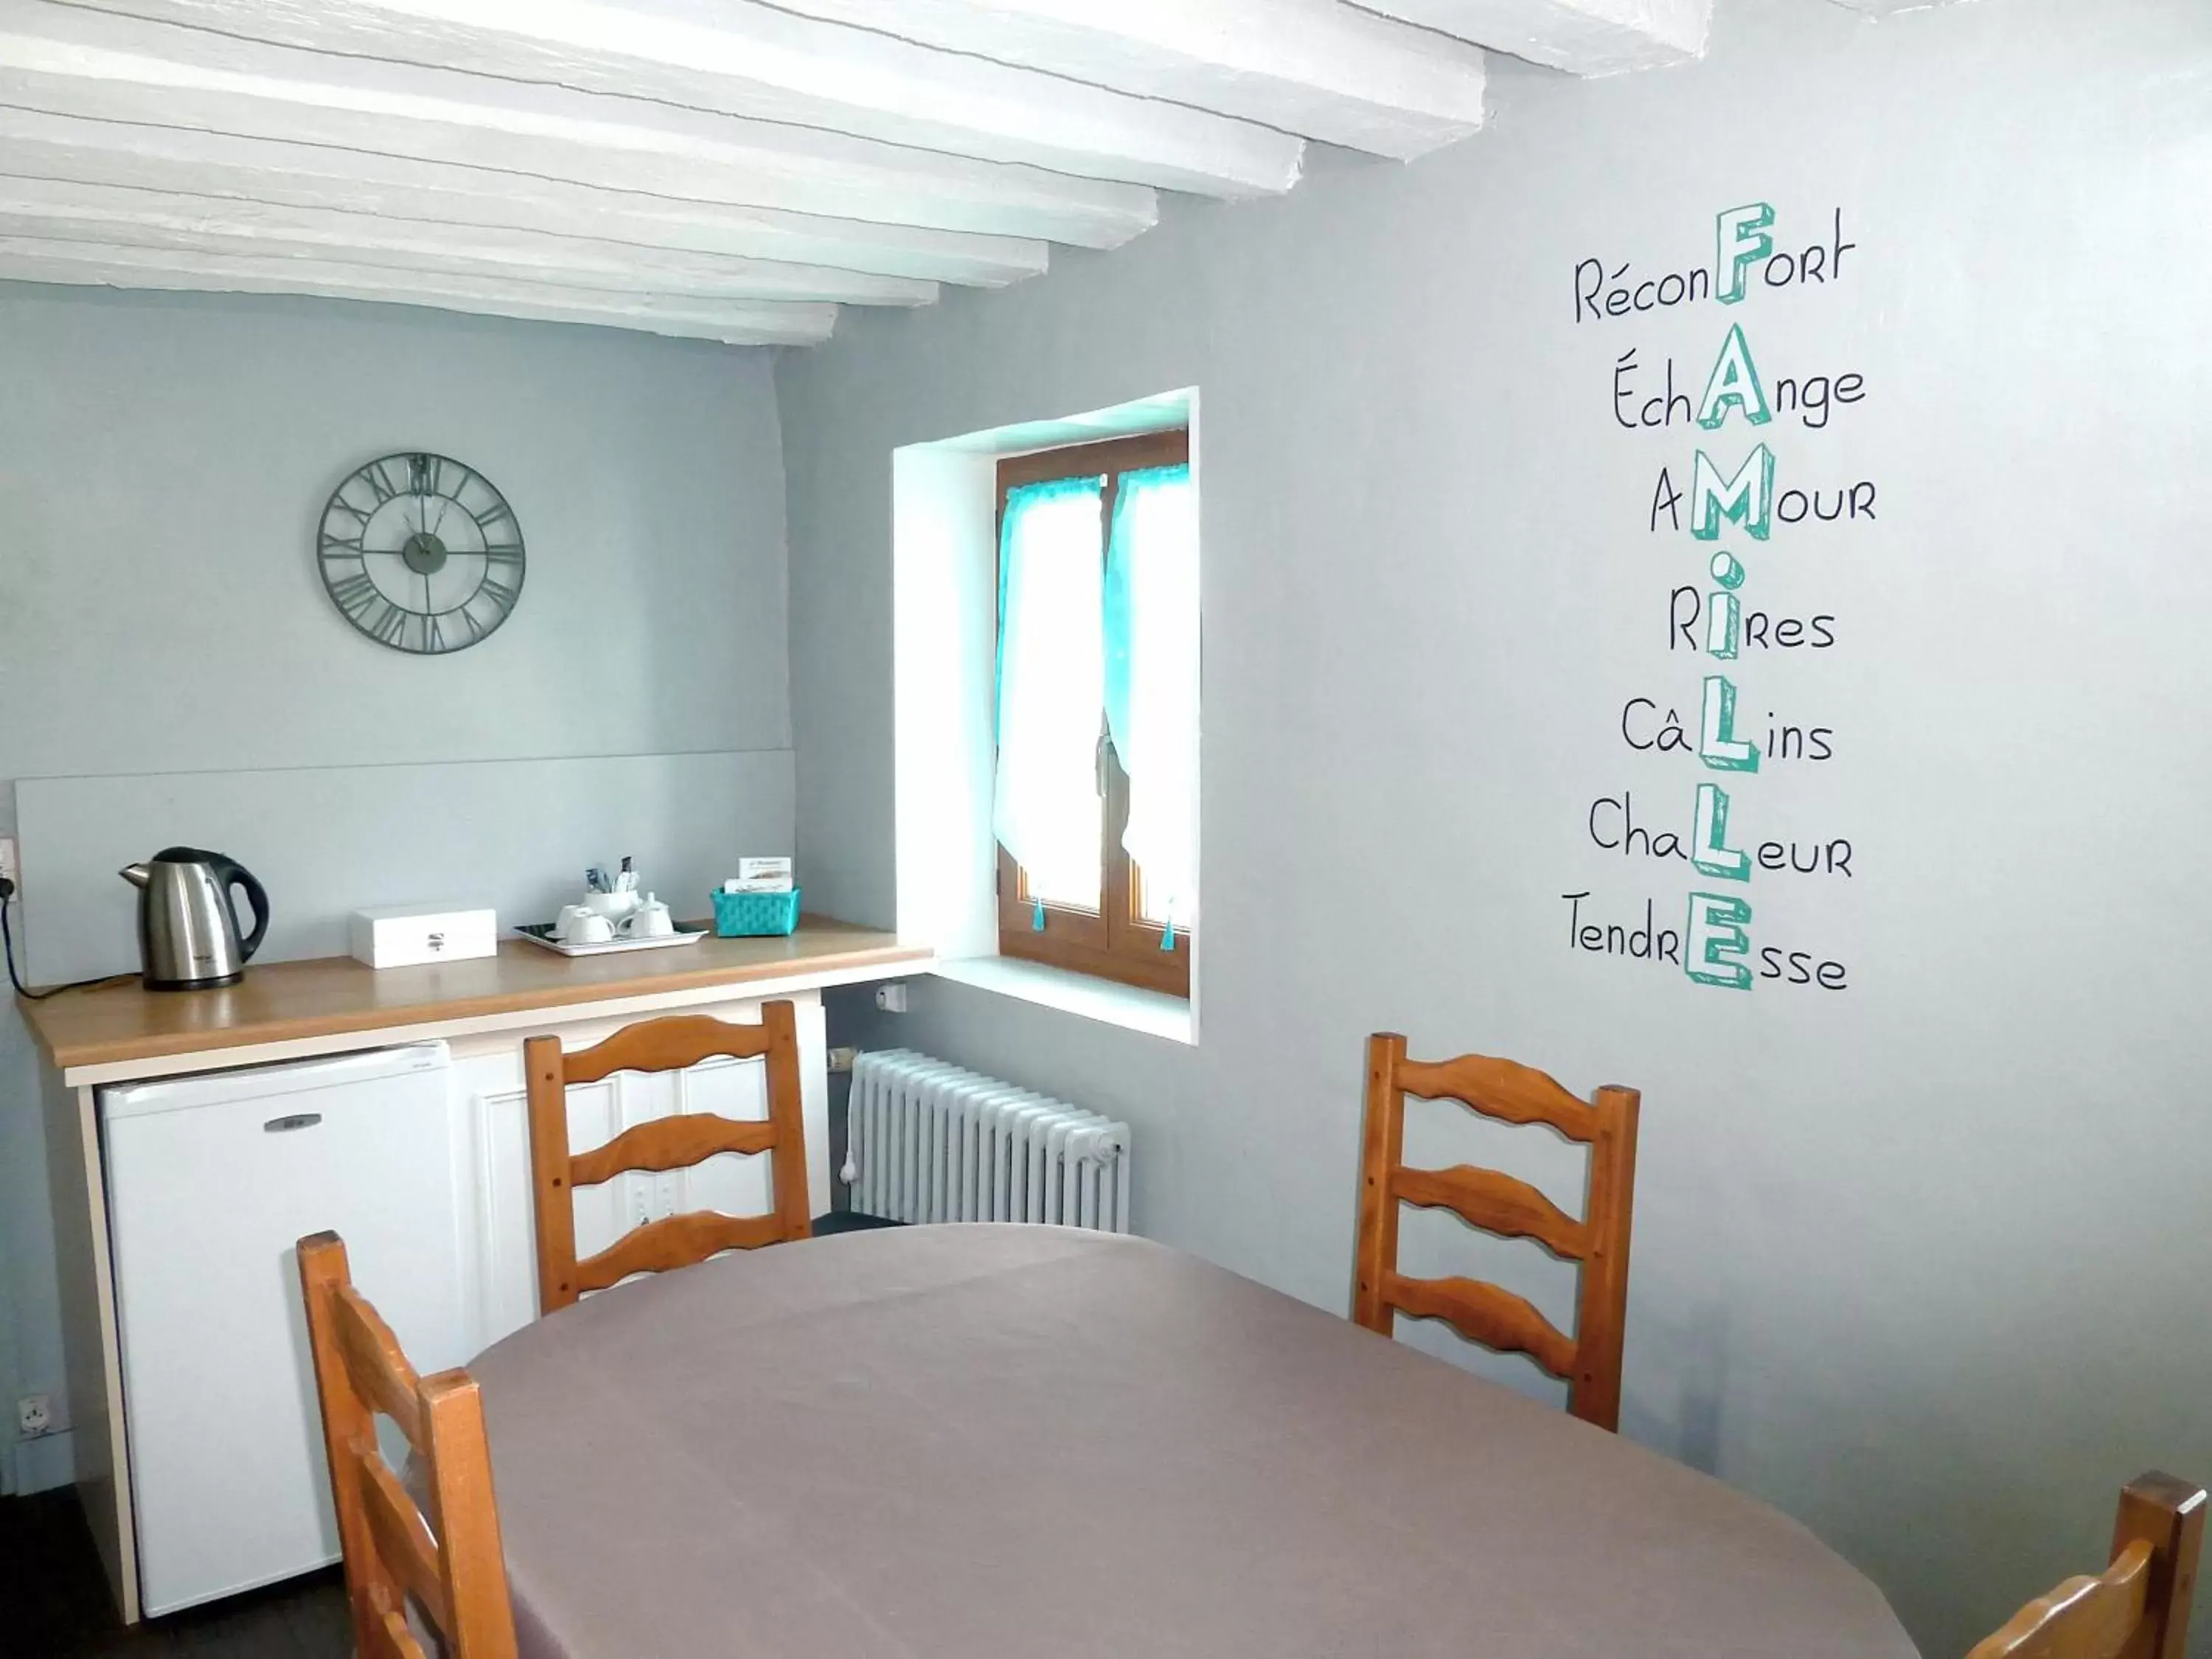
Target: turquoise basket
(755, 916)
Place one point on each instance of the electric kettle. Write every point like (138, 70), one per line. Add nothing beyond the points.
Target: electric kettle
(187, 927)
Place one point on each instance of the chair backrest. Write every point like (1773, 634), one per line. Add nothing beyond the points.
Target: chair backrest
(449, 1560)
(1589, 1361)
(2138, 1606)
(669, 1143)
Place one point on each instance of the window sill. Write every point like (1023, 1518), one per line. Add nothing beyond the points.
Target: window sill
(1151, 1012)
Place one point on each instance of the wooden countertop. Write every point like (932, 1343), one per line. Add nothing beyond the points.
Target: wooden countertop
(329, 996)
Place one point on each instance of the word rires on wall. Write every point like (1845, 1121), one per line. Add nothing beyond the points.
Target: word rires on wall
(1720, 503)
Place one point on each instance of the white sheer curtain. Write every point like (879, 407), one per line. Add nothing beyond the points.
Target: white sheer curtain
(1051, 687)
(1153, 679)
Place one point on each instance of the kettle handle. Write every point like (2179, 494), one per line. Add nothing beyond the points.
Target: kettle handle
(229, 872)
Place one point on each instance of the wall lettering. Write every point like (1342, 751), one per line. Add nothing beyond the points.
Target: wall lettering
(1737, 508)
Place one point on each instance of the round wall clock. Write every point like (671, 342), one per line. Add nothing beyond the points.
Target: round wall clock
(420, 553)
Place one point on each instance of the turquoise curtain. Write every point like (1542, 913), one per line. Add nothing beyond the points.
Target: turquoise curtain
(1151, 680)
(1051, 686)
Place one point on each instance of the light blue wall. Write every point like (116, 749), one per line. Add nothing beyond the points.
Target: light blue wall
(163, 463)
(1924, 1262)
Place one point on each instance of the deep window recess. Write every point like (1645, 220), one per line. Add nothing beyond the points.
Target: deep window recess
(1096, 802)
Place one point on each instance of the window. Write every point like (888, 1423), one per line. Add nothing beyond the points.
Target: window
(1096, 795)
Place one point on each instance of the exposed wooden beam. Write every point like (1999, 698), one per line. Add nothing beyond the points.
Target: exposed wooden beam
(36, 145)
(98, 67)
(159, 219)
(732, 322)
(1314, 67)
(766, 62)
(1584, 37)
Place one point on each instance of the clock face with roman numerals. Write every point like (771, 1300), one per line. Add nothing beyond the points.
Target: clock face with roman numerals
(420, 553)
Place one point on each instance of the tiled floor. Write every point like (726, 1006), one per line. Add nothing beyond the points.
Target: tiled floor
(54, 1602)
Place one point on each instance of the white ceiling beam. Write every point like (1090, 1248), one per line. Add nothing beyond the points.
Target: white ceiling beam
(732, 322)
(156, 219)
(764, 62)
(1314, 67)
(35, 145)
(102, 67)
(1891, 8)
(1584, 37)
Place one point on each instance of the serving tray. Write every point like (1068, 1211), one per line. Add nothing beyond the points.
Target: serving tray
(541, 932)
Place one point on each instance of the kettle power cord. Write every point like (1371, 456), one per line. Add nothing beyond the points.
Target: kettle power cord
(7, 941)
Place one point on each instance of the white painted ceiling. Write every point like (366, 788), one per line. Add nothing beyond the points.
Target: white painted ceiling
(717, 168)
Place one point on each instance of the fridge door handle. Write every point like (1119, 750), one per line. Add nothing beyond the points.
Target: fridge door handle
(295, 1120)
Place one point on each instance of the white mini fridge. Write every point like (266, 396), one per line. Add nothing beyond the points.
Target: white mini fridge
(211, 1180)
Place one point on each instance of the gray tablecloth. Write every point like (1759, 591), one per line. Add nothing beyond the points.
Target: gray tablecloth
(1010, 1443)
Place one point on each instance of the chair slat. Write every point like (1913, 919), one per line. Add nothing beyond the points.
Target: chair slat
(676, 1241)
(669, 1143)
(1483, 1313)
(374, 1363)
(1495, 1203)
(1500, 1088)
(2084, 1618)
(403, 1542)
(674, 1043)
(392, 1639)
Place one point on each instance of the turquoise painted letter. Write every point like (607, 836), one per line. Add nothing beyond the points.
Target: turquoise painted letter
(1717, 744)
(1743, 241)
(1724, 624)
(1734, 380)
(1716, 934)
(1747, 497)
(1711, 853)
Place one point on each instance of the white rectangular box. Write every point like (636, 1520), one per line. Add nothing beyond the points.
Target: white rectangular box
(405, 936)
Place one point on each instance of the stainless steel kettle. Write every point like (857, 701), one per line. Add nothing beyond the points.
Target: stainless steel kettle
(188, 937)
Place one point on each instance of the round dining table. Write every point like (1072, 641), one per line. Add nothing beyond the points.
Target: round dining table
(1001, 1442)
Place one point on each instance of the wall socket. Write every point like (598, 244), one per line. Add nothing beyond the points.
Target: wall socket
(34, 1416)
(891, 998)
(9, 869)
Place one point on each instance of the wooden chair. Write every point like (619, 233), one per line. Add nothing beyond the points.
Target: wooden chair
(2138, 1607)
(1590, 1363)
(669, 1143)
(450, 1562)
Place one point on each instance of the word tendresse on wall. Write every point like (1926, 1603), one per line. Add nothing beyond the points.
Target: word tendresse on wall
(1714, 946)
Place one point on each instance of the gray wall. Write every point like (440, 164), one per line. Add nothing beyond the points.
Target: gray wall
(1923, 1261)
(163, 463)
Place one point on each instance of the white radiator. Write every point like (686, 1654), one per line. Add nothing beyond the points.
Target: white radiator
(930, 1142)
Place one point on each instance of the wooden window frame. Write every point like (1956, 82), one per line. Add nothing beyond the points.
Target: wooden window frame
(1114, 942)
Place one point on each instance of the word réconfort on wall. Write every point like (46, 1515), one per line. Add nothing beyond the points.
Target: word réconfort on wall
(1732, 496)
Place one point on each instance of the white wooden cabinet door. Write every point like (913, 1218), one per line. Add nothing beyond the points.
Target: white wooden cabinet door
(499, 1269)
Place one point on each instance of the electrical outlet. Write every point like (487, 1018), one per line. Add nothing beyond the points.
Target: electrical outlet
(34, 1416)
(891, 998)
(9, 870)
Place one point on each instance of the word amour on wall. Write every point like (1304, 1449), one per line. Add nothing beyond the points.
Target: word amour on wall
(1728, 501)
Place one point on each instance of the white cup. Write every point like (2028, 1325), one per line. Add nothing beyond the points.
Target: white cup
(651, 920)
(588, 928)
